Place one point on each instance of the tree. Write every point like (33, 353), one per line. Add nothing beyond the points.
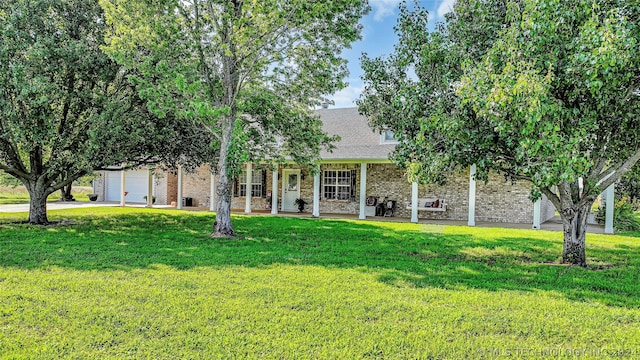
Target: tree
(66, 109)
(251, 71)
(544, 91)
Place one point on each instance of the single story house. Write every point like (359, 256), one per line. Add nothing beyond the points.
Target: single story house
(356, 178)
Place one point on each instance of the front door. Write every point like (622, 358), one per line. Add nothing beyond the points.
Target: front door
(290, 189)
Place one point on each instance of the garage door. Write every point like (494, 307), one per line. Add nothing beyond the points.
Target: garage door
(137, 183)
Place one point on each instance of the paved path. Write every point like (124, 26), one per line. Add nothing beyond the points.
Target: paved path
(57, 205)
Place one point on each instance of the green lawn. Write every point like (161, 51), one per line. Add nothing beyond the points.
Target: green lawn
(150, 284)
(19, 195)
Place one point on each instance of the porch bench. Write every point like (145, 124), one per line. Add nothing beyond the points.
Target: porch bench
(430, 204)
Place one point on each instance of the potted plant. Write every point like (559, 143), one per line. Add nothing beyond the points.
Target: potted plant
(153, 199)
(92, 197)
(301, 203)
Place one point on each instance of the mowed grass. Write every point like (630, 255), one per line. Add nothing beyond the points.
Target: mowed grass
(151, 284)
(19, 195)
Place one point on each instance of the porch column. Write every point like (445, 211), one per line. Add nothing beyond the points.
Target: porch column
(123, 187)
(274, 191)
(536, 214)
(179, 200)
(414, 202)
(363, 191)
(608, 220)
(316, 193)
(150, 189)
(472, 196)
(247, 199)
(212, 192)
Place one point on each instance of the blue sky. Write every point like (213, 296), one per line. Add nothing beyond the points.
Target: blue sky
(378, 39)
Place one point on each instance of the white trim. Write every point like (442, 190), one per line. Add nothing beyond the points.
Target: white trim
(123, 187)
(324, 184)
(363, 190)
(274, 191)
(248, 188)
(150, 189)
(384, 140)
(316, 193)
(179, 200)
(414, 202)
(472, 196)
(608, 221)
(536, 214)
(284, 190)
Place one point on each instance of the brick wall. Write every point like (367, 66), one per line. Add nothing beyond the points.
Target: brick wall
(196, 185)
(497, 201)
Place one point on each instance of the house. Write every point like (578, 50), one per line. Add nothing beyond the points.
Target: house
(356, 178)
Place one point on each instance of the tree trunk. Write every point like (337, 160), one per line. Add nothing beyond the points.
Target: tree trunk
(66, 193)
(38, 205)
(574, 223)
(222, 227)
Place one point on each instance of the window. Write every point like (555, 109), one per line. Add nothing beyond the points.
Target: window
(387, 137)
(339, 184)
(258, 179)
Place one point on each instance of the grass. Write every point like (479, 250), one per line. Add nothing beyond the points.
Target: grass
(146, 283)
(19, 195)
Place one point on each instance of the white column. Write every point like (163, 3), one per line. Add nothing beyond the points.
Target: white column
(247, 199)
(536, 214)
(212, 192)
(363, 191)
(608, 220)
(414, 202)
(472, 196)
(150, 189)
(123, 187)
(316, 193)
(179, 202)
(274, 191)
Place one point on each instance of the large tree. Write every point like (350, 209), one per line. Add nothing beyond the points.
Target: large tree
(66, 109)
(252, 71)
(539, 90)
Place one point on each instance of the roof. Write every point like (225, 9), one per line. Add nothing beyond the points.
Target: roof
(358, 141)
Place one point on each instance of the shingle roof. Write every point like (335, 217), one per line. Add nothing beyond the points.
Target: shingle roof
(358, 140)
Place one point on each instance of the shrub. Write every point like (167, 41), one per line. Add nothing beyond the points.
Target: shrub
(624, 217)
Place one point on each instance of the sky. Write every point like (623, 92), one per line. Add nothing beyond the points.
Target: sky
(378, 38)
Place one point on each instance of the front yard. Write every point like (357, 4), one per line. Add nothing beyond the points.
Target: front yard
(141, 283)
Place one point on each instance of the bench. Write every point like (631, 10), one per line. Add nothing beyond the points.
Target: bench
(430, 204)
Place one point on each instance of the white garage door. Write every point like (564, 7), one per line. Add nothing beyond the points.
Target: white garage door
(137, 183)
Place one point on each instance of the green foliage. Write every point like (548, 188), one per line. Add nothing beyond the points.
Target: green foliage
(538, 90)
(20, 195)
(67, 109)
(250, 71)
(629, 186)
(266, 64)
(625, 217)
(145, 283)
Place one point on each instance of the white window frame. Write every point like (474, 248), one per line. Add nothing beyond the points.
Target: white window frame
(385, 140)
(346, 196)
(256, 184)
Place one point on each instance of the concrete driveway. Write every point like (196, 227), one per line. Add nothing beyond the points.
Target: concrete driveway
(57, 205)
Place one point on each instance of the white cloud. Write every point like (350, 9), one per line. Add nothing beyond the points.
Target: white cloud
(347, 96)
(383, 8)
(446, 6)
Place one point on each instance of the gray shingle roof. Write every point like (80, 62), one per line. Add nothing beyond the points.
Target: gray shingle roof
(358, 140)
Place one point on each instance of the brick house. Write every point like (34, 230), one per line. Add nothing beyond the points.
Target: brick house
(356, 178)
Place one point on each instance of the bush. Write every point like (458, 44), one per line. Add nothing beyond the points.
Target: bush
(624, 217)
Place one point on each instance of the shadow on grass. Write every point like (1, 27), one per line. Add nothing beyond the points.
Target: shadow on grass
(400, 255)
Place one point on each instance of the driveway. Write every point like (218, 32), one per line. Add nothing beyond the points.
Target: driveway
(57, 205)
